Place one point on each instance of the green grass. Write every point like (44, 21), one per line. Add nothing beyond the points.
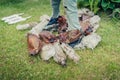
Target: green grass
(102, 63)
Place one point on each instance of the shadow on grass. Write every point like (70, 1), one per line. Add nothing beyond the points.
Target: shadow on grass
(7, 2)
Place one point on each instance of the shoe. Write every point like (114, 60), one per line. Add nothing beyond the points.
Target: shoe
(52, 21)
(52, 25)
(73, 44)
(85, 33)
(51, 28)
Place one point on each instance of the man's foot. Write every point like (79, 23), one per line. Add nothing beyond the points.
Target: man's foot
(52, 21)
(52, 25)
(83, 33)
(73, 44)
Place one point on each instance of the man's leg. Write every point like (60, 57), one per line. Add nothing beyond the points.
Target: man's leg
(55, 11)
(55, 6)
(72, 17)
(72, 14)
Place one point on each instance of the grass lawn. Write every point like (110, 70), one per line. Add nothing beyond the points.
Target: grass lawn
(102, 63)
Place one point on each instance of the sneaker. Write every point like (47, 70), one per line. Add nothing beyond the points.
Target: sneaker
(52, 28)
(85, 33)
(73, 44)
(52, 21)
